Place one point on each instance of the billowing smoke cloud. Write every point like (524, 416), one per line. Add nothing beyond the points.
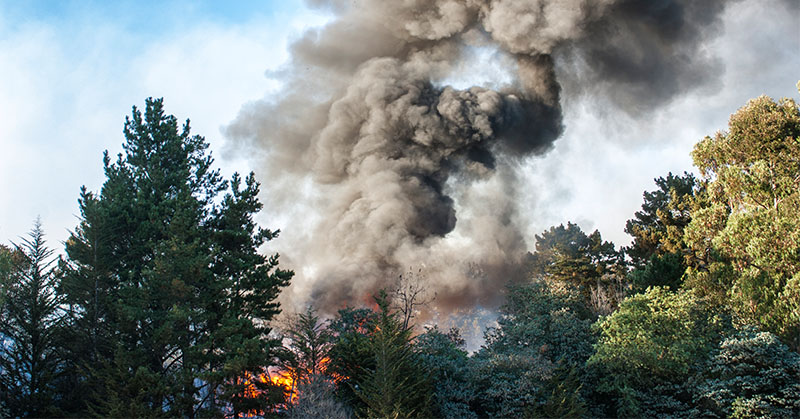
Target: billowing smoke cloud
(385, 168)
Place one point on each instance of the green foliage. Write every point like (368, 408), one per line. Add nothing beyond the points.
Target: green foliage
(164, 280)
(649, 347)
(657, 229)
(307, 340)
(563, 396)
(749, 232)
(568, 255)
(29, 330)
(398, 386)
(544, 329)
(351, 356)
(449, 368)
(751, 374)
(660, 271)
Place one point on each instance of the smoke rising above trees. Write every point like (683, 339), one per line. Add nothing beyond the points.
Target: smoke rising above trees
(403, 170)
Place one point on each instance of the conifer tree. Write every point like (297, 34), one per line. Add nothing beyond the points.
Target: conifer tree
(29, 361)
(398, 386)
(165, 281)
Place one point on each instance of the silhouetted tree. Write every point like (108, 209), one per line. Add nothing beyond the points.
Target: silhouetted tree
(29, 359)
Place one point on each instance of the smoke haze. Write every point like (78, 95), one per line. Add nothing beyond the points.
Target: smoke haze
(386, 168)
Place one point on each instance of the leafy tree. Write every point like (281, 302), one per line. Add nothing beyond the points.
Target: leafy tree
(398, 386)
(449, 367)
(749, 233)
(165, 282)
(29, 360)
(543, 333)
(649, 347)
(751, 374)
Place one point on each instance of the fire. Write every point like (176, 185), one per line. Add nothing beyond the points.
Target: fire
(254, 387)
(283, 379)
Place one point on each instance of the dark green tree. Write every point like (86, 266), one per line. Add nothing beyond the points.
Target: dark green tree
(350, 355)
(164, 280)
(593, 266)
(567, 254)
(29, 330)
(658, 228)
(658, 253)
(751, 374)
(543, 334)
(449, 367)
(398, 386)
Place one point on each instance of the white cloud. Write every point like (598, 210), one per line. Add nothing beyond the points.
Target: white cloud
(65, 90)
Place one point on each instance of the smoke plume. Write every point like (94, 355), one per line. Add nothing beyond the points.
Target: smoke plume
(385, 168)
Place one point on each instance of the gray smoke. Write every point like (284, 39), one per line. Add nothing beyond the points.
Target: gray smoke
(384, 168)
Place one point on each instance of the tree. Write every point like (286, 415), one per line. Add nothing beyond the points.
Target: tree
(449, 367)
(658, 251)
(657, 229)
(398, 386)
(308, 340)
(409, 294)
(749, 233)
(165, 280)
(317, 400)
(568, 255)
(751, 374)
(351, 356)
(648, 349)
(543, 334)
(29, 359)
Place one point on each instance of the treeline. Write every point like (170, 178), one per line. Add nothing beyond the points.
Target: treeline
(162, 305)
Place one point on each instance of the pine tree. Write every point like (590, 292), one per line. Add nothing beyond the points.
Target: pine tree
(29, 361)
(398, 386)
(165, 281)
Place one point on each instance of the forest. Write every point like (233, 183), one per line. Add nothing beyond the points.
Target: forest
(163, 304)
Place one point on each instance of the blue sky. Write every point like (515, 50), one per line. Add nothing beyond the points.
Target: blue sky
(71, 70)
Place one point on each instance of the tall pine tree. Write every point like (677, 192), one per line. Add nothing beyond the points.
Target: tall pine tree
(169, 297)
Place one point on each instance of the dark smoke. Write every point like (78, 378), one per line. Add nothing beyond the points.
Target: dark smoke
(402, 171)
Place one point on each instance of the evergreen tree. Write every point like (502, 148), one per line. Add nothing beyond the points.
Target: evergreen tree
(658, 253)
(543, 334)
(569, 256)
(658, 228)
(169, 296)
(449, 367)
(29, 360)
(398, 387)
(308, 340)
(751, 374)
(350, 355)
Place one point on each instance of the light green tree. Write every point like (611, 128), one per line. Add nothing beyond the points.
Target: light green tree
(649, 347)
(747, 237)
